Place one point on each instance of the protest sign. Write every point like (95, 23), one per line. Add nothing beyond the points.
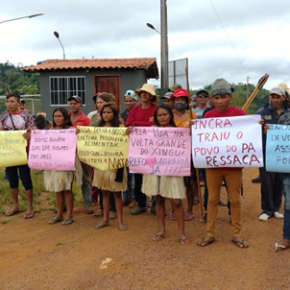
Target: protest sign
(278, 148)
(227, 142)
(160, 151)
(12, 148)
(52, 149)
(105, 148)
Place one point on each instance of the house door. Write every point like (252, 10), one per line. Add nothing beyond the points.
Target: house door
(109, 84)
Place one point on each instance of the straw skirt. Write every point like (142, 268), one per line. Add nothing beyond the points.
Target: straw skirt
(62, 180)
(166, 186)
(105, 179)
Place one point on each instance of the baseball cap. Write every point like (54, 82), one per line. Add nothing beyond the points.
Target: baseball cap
(76, 98)
(131, 94)
(221, 87)
(174, 87)
(179, 93)
(167, 96)
(278, 91)
(22, 101)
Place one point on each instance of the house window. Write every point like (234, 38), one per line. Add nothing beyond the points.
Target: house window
(61, 88)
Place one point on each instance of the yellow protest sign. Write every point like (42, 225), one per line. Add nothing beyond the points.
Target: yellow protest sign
(102, 147)
(12, 148)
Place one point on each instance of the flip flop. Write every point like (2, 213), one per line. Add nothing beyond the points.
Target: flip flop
(188, 217)
(67, 222)
(98, 214)
(277, 248)
(205, 242)
(184, 242)
(240, 242)
(54, 220)
(100, 225)
(122, 228)
(112, 215)
(29, 215)
(172, 216)
(196, 201)
(10, 212)
(157, 237)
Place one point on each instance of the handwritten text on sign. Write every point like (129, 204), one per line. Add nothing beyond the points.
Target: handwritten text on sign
(12, 148)
(52, 149)
(102, 147)
(160, 151)
(227, 142)
(278, 148)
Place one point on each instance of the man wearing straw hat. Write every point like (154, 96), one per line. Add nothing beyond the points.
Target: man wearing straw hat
(142, 116)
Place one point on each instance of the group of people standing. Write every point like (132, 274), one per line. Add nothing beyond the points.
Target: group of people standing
(118, 188)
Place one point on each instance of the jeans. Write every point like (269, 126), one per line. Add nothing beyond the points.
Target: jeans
(130, 184)
(86, 186)
(286, 225)
(271, 191)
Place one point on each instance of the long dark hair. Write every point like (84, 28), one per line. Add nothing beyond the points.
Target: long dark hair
(163, 106)
(66, 122)
(115, 122)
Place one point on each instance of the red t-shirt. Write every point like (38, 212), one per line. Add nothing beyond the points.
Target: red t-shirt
(140, 117)
(230, 112)
(83, 120)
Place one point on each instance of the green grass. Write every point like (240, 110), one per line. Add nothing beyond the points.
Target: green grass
(41, 200)
(59, 243)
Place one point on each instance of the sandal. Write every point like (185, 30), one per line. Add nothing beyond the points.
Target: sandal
(54, 220)
(240, 243)
(158, 237)
(278, 247)
(204, 242)
(98, 214)
(67, 222)
(112, 215)
(184, 242)
(29, 215)
(196, 201)
(172, 216)
(188, 217)
(11, 212)
(122, 228)
(100, 225)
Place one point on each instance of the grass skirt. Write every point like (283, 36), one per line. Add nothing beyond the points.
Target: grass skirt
(62, 180)
(166, 186)
(106, 180)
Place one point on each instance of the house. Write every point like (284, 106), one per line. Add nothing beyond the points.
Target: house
(62, 78)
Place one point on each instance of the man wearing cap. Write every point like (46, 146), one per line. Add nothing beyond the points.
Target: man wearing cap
(78, 118)
(130, 101)
(202, 99)
(22, 106)
(271, 182)
(91, 114)
(221, 96)
(167, 101)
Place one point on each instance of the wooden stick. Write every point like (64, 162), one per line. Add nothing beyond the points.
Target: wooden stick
(259, 86)
(199, 192)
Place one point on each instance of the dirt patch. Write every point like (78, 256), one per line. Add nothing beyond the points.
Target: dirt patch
(35, 255)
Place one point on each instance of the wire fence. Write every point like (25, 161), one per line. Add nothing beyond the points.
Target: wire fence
(32, 103)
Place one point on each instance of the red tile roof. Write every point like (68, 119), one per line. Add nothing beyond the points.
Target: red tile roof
(147, 64)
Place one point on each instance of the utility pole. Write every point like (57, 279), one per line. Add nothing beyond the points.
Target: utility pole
(164, 44)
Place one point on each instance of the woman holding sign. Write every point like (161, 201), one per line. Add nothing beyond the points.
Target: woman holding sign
(162, 187)
(16, 119)
(182, 117)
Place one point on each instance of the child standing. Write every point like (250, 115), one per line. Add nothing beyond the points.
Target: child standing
(106, 180)
(162, 187)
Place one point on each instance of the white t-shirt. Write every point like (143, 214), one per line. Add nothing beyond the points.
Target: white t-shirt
(91, 114)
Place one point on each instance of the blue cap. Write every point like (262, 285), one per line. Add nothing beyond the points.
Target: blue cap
(130, 94)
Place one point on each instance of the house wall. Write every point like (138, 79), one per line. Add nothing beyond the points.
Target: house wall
(130, 80)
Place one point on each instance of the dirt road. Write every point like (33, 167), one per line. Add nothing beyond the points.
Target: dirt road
(35, 255)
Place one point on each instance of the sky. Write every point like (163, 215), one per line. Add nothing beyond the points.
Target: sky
(227, 39)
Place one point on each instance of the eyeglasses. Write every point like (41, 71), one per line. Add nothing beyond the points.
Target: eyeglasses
(200, 96)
